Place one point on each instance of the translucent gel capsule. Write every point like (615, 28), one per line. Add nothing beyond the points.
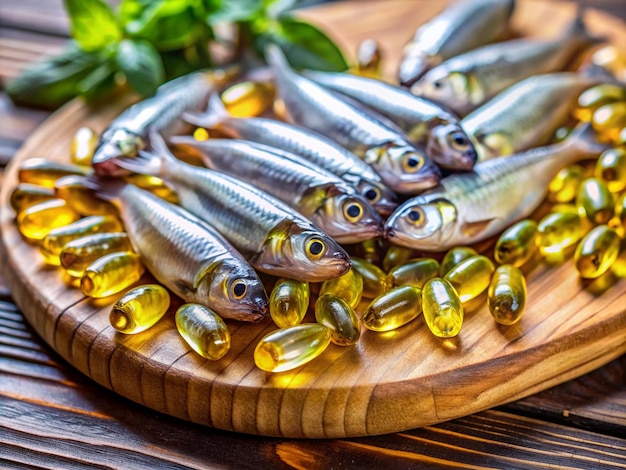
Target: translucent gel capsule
(37, 220)
(153, 184)
(517, 244)
(559, 230)
(594, 97)
(453, 257)
(375, 281)
(564, 185)
(348, 287)
(613, 59)
(609, 119)
(595, 201)
(596, 252)
(369, 251)
(139, 309)
(111, 274)
(80, 253)
(26, 195)
(415, 272)
(45, 172)
(368, 57)
(506, 297)
(471, 276)
(611, 168)
(289, 302)
(83, 145)
(340, 319)
(393, 309)
(58, 237)
(248, 99)
(395, 256)
(204, 330)
(443, 310)
(288, 348)
(201, 134)
(619, 221)
(81, 198)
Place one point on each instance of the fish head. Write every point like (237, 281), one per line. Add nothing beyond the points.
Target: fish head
(416, 62)
(235, 287)
(451, 89)
(383, 199)
(115, 144)
(347, 216)
(423, 224)
(405, 168)
(301, 251)
(451, 147)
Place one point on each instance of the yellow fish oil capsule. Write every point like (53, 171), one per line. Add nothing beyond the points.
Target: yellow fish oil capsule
(45, 172)
(154, 184)
(471, 277)
(80, 253)
(289, 302)
(368, 56)
(393, 309)
(596, 96)
(288, 348)
(559, 230)
(595, 201)
(597, 252)
(395, 256)
(83, 146)
(415, 272)
(611, 168)
(81, 198)
(369, 250)
(111, 274)
(37, 220)
(564, 185)
(139, 309)
(454, 256)
(26, 195)
(619, 221)
(506, 297)
(375, 281)
(340, 319)
(517, 244)
(348, 286)
(443, 310)
(248, 99)
(609, 119)
(203, 330)
(58, 237)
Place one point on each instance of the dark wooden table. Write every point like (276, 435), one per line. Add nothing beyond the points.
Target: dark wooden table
(53, 417)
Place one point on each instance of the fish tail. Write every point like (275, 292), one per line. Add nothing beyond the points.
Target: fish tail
(105, 187)
(578, 29)
(150, 162)
(585, 139)
(214, 115)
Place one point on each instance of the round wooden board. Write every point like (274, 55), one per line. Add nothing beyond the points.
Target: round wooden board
(388, 382)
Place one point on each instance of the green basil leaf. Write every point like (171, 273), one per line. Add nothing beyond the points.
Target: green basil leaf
(130, 10)
(141, 64)
(98, 83)
(52, 81)
(306, 46)
(230, 11)
(276, 8)
(93, 24)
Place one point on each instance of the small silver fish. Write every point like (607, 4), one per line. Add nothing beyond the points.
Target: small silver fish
(128, 133)
(273, 237)
(469, 207)
(402, 166)
(468, 80)
(186, 255)
(307, 144)
(424, 122)
(526, 114)
(322, 197)
(462, 26)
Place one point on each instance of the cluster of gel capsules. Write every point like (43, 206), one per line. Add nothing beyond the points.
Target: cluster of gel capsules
(390, 285)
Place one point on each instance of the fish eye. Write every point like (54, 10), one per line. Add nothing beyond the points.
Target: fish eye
(459, 140)
(315, 248)
(239, 289)
(353, 211)
(412, 163)
(416, 216)
(372, 194)
(438, 84)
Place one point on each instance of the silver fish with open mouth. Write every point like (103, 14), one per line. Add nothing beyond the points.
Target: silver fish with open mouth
(462, 26)
(185, 254)
(273, 237)
(423, 122)
(469, 207)
(402, 166)
(322, 197)
(309, 145)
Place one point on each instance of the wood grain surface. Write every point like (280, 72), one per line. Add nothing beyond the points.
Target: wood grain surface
(331, 397)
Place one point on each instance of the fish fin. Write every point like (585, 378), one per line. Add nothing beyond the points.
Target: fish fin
(105, 187)
(183, 288)
(475, 228)
(212, 117)
(149, 162)
(583, 137)
(578, 29)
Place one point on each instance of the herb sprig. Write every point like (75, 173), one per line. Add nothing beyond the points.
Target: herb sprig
(146, 42)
